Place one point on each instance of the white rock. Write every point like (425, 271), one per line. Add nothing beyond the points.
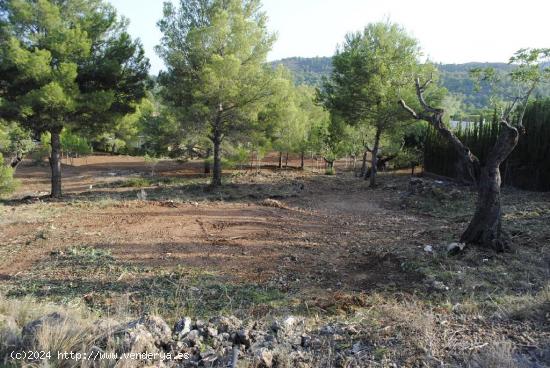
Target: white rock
(438, 285)
(455, 247)
(183, 327)
(142, 195)
(265, 358)
(428, 248)
(289, 322)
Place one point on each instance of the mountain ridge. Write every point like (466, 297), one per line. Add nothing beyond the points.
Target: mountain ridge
(455, 77)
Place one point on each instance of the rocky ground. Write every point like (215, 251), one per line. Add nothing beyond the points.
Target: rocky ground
(218, 342)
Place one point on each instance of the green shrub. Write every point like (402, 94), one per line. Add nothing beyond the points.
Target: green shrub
(226, 164)
(75, 145)
(136, 183)
(406, 158)
(40, 153)
(42, 150)
(330, 171)
(239, 158)
(7, 183)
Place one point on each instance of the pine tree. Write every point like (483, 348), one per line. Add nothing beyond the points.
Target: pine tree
(217, 78)
(67, 64)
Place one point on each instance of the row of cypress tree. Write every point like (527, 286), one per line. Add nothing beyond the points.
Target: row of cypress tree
(528, 167)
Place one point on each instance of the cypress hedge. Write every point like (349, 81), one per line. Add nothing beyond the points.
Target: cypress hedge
(528, 167)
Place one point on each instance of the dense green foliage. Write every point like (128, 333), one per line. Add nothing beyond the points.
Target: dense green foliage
(371, 71)
(527, 167)
(220, 89)
(217, 80)
(7, 182)
(67, 64)
(15, 142)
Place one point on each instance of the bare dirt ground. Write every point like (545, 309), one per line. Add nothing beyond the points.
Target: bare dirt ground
(314, 235)
(281, 242)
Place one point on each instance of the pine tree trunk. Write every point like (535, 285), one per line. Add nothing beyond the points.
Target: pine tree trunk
(55, 162)
(286, 160)
(302, 161)
(280, 159)
(364, 164)
(207, 161)
(16, 161)
(485, 228)
(374, 159)
(216, 141)
(217, 169)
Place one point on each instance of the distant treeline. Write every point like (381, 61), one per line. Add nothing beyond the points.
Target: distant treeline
(528, 167)
(308, 71)
(454, 77)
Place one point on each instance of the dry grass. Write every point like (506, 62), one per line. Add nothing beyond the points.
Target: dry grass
(70, 333)
(56, 329)
(498, 354)
(273, 203)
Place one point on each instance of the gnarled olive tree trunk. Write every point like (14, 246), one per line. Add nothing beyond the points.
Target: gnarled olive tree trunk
(485, 228)
(434, 116)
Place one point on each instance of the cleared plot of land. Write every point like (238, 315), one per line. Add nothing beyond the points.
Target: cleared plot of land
(278, 243)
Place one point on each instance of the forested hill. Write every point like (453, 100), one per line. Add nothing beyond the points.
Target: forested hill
(307, 70)
(455, 77)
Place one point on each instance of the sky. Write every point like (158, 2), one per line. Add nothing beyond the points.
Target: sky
(456, 31)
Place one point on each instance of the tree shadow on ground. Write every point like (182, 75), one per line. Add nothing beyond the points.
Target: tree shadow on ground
(158, 191)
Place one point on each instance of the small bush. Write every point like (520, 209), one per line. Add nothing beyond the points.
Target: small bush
(407, 158)
(330, 171)
(140, 182)
(42, 150)
(136, 183)
(239, 158)
(226, 164)
(39, 154)
(7, 183)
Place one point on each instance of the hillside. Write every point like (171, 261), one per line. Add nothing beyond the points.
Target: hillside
(308, 71)
(455, 77)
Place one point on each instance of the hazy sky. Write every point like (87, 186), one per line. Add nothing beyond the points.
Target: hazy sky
(449, 31)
